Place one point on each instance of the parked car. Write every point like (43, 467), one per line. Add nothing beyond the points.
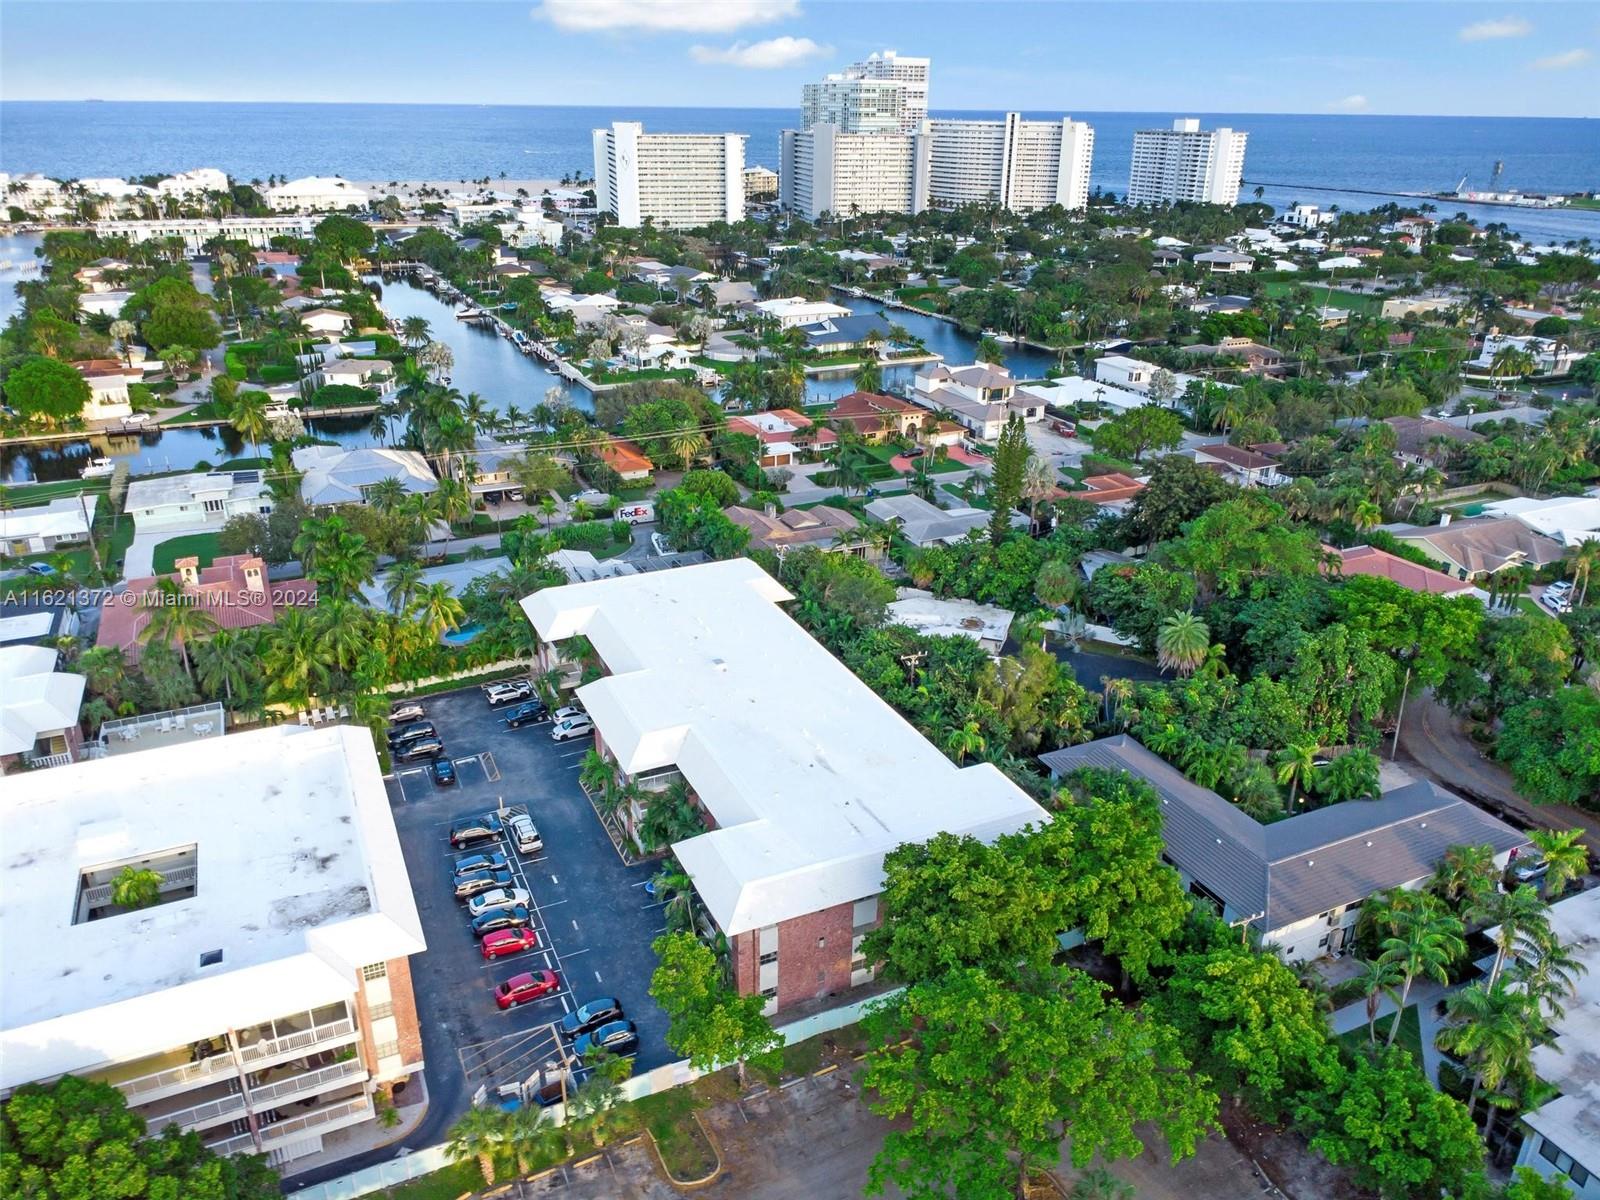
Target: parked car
(1528, 867)
(519, 989)
(471, 883)
(508, 692)
(407, 710)
(660, 545)
(913, 452)
(571, 710)
(484, 828)
(410, 733)
(590, 1016)
(573, 727)
(525, 834)
(422, 748)
(504, 942)
(1557, 597)
(444, 772)
(41, 569)
(512, 916)
(530, 713)
(499, 898)
(619, 1037)
(493, 860)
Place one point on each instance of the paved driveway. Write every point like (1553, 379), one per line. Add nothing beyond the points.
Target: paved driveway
(595, 921)
(139, 560)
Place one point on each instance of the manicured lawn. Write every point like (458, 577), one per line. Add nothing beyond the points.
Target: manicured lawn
(202, 545)
(245, 464)
(639, 376)
(453, 1181)
(1410, 1034)
(24, 495)
(206, 410)
(1357, 303)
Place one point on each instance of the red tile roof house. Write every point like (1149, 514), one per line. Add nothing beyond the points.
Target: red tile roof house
(1369, 560)
(234, 591)
(1113, 491)
(785, 435)
(876, 416)
(626, 459)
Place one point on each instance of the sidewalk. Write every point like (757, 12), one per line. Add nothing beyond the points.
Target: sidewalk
(1425, 994)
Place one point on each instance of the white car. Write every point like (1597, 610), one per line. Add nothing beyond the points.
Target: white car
(504, 693)
(573, 727)
(1557, 597)
(484, 901)
(525, 834)
(660, 545)
(571, 710)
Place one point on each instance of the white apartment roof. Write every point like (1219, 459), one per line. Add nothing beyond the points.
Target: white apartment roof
(811, 778)
(1568, 519)
(62, 517)
(797, 309)
(1572, 1061)
(929, 615)
(35, 698)
(300, 883)
(1073, 389)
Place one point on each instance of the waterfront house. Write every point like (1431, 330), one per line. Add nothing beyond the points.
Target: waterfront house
(334, 475)
(42, 528)
(200, 499)
(1249, 357)
(987, 624)
(790, 311)
(333, 322)
(108, 380)
(982, 396)
(352, 372)
(877, 417)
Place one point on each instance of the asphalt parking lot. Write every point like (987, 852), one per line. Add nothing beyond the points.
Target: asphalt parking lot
(594, 919)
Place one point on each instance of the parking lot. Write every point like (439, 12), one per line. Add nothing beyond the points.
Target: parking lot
(593, 917)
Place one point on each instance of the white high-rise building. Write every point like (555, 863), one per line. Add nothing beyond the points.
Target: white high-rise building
(825, 170)
(1019, 165)
(885, 93)
(676, 180)
(912, 76)
(1186, 163)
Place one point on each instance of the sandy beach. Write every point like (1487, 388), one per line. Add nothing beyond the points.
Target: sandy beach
(407, 189)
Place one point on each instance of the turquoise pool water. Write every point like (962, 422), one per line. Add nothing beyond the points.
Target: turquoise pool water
(460, 637)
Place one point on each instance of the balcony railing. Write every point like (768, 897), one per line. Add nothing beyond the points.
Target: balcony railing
(174, 880)
(239, 1144)
(145, 1088)
(39, 762)
(307, 1083)
(212, 1112)
(305, 1039)
(359, 1107)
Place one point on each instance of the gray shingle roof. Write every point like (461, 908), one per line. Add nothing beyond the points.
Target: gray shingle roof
(1308, 864)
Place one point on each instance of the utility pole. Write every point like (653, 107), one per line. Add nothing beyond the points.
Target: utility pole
(1394, 746)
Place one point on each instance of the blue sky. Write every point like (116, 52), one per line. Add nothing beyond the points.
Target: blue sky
(1520, 59)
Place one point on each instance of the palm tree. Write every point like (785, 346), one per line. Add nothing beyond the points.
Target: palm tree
(1492, 1032)
(438, 610)
(226, 663)
(414, 330)
(387, 494)
(869, 376)
(484, 1134)
(1566, 858)
(1038, 482)
(136, 887)
(1549, 976)
(248, 417)
(175, 620)
(1426, 943)
(687, 445)
(1581, 566)
(1378, 979)
(295, 659)
(1521, 922)
(1367, 515)
(123, 332)
(455, 505)
(964, 740)
(1182, 643)
(597, 772)
(401, 585)
(1353, 775)
(104, 670)
(1297, 767)
(1464, 876)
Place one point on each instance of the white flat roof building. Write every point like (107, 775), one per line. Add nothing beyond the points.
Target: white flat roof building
(797, 310)
(987, 624)
(42, 527)
(1074, 389)
(36, 701)
(676, 180)
(316, 192)
(1017, 164)
(1186, 163)
(810, 777)
(258, 232)
(825, 169)
(885, 92)
(297, 883)
(1571, 520)
(193, 183)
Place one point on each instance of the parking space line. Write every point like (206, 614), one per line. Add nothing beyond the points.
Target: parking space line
(555, 880)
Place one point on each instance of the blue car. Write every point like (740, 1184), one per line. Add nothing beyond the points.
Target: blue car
(444, 772)
(41, 569)
(619, 1037)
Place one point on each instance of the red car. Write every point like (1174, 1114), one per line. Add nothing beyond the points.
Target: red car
(508, 941)
(519, 989)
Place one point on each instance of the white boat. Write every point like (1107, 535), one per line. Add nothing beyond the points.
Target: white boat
(98, 468)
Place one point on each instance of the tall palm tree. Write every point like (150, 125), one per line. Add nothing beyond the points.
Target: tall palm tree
(387, 494)
(1549, 975)
(437, 609)
(401, 584)
(175, 619)
(248, 416)
(1297, 767)
(1426, 943)
(226, 663)
(484, 1134)
(1182, 643)
(597, 772)
(414, 330)
(1521, 922)
(1581, 565)
(455, 505)
(1378, 980)
(1492, 1031)
(963, 740)
(295, 658)
(1038, 482)
(1566, 857)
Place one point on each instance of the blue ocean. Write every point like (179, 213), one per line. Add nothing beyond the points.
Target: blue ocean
(1305, 157)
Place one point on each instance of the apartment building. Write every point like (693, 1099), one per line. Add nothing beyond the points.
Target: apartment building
(316, 193)
(1019, 165)
(908, 73)
(1186, 163)
(826, 170)
(760, 183)
(264, 999)
(804, 776)
(258, 232)
(676, 180)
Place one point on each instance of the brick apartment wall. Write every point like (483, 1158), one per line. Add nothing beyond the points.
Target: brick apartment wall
(746, 952)
(806, 970)
(405, 1010)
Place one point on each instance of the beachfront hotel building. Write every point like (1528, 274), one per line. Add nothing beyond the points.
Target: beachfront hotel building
(803, 776)
(826, 170)
(1186, 163)
(1019, 165)
(265, 998)
(676, 180)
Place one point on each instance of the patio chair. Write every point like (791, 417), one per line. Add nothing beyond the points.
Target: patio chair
(181, 720)
(305, 718)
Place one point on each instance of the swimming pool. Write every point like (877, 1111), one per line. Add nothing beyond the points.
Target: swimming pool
(460, 637)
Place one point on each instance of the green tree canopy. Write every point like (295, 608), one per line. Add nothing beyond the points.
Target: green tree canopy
(345, 237)
(1130, 434)
(46, 390)
(708, 1022)
(1552, 745)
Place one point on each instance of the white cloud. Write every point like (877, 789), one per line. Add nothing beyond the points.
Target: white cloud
(1564, 61)
(1350, 104)
(655, 16)
(762, 56)
(1505, 27)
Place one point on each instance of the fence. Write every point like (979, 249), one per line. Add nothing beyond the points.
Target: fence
(505, 664)
(677, 1074)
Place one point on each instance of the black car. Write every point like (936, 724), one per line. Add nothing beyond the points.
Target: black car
(619, 1037)
(411, 732)
(508, 916)
(493, 860)
(422, 748)
(444, 772)
(530, 713)
(470, 883)
(590, 1016)
(469, 830)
